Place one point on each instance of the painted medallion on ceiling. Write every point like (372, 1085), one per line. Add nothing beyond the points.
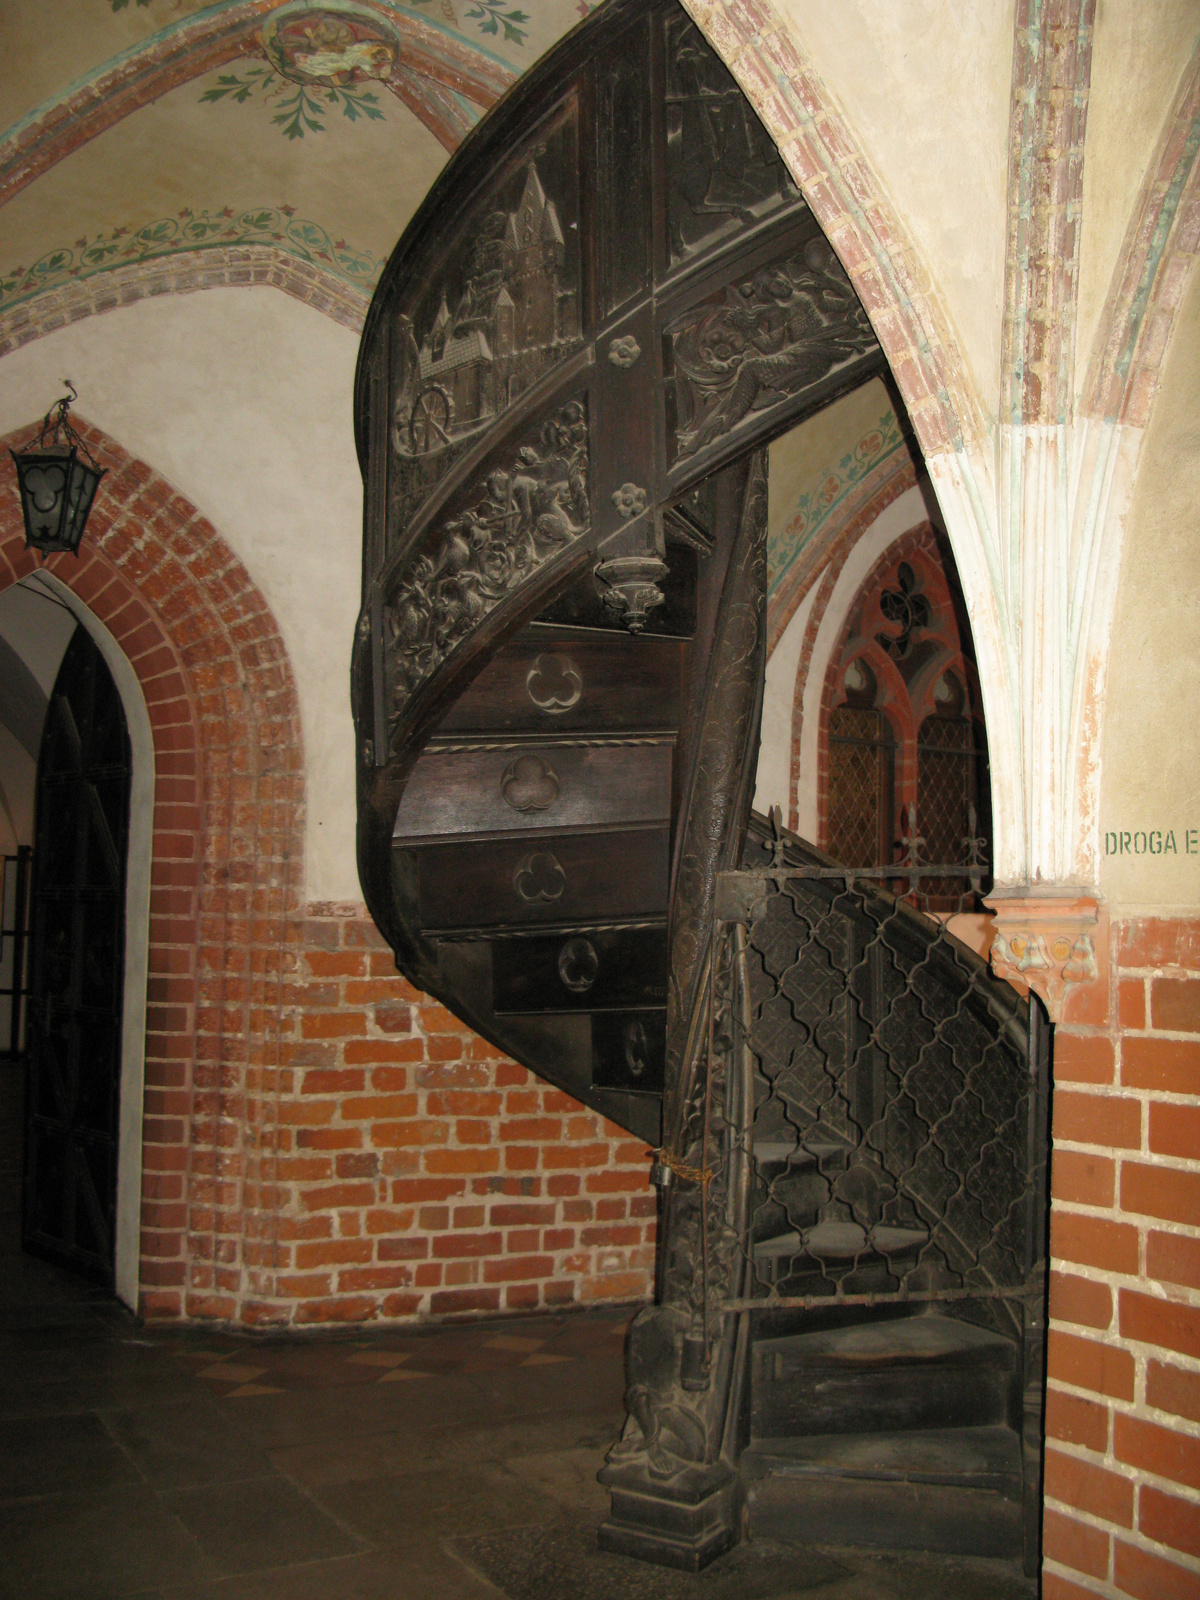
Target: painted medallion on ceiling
(333, 47)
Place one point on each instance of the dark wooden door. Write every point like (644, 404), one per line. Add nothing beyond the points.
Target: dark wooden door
(78, 939)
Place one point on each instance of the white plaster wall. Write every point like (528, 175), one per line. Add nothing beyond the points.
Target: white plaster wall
(925, 87)
(773, 779)
(1150, 751)
(1140, 49)
(242, 399)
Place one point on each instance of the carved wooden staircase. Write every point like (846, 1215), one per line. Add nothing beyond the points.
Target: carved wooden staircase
(611, 300)
(535, 831)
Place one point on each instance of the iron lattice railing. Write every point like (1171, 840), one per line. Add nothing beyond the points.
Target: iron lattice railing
(866, 1126)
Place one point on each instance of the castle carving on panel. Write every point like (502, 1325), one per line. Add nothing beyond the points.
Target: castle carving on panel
(516, 310)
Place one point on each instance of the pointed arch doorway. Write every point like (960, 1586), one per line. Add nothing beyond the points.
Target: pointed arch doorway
(77, 973)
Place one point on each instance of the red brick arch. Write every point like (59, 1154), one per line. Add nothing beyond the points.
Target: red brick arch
(226, 873)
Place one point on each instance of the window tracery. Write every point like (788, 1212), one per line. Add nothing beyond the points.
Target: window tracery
(904, 752)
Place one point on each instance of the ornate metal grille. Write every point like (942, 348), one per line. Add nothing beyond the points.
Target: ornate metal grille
(891, 1145)
(889, 1139)
(947, 793)
(860, 786)
(862, 1126)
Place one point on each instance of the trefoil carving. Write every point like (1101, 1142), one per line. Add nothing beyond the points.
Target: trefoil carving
(554, 684)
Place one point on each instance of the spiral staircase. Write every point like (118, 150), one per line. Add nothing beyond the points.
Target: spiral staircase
(610, 302)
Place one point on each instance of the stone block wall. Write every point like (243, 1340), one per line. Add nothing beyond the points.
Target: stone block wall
(1122, 1484)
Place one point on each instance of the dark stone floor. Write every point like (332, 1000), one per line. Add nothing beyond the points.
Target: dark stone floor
(453, 1463)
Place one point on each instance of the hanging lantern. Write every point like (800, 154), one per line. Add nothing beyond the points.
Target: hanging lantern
(57, 476)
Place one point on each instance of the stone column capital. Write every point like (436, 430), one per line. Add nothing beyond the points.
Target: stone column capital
(1045, 943)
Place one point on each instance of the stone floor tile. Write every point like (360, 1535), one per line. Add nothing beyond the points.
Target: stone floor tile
(49, 1455)
(421, 1572)
(568, 1477)
(563, 1562)
(91, 1546)
(187, 1443)
(395, 1511)
(262, 1522)
(350, 1460)
(333, 1475)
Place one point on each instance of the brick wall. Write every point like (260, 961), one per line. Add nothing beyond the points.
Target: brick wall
(421, 1171)
(320, 1143)
(1123, 1406)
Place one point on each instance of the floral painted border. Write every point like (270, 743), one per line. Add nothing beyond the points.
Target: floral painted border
(489, 16)
(189, 231)
(819, 505)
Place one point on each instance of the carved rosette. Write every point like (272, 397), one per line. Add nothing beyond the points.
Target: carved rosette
(515, 520)
(1047, 945)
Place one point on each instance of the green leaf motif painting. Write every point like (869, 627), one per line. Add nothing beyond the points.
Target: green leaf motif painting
(304, 110)
(491, 17)
(186, 233)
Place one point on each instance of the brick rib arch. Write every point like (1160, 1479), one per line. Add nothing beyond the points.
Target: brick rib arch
(187, 272)
(1150, 280)
(226, 874)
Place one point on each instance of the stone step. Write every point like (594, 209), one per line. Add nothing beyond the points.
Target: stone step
(835, 1240)
(951, 1489)
(770, 1150)
(882, 1375)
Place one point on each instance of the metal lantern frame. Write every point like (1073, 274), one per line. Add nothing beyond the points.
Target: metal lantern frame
(57, 477)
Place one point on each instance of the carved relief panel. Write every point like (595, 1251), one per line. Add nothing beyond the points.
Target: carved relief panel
(724, 173)
(502, 307)
(748, 350)
(509, 523)
(567, 349)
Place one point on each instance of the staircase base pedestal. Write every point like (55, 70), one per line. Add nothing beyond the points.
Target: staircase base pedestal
(684, 1522)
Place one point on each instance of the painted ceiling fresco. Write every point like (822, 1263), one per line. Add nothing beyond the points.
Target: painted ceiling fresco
(820, 469)
(155, 127)
(311, 130)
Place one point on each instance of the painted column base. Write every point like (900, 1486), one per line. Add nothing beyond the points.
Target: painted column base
(685, 1521)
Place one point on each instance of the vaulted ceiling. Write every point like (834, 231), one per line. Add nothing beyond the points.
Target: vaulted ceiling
(198, 138)
(142, 130)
